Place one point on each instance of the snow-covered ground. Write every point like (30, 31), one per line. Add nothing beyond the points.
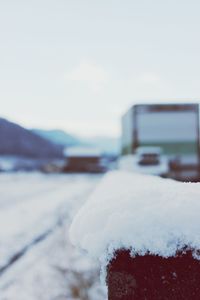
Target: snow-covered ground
(37, 260)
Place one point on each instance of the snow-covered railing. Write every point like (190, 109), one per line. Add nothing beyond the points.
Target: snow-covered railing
(146, 233)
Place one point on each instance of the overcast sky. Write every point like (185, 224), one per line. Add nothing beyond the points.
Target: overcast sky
(79, 64)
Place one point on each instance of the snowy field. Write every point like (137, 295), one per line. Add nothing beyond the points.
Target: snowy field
(37, 260)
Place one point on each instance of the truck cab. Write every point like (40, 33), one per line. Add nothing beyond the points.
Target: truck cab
(150, 160)
(146, 160)
(149, 156)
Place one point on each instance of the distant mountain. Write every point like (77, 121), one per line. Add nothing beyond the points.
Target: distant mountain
(16, 140)
(59, 137)
(105, 144)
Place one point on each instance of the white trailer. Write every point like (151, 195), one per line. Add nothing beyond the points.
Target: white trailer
(172, 127)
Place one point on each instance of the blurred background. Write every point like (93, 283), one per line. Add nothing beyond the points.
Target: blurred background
(86, 87)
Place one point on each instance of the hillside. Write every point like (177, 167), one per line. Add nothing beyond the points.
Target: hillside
(58, 137)
(16, 140)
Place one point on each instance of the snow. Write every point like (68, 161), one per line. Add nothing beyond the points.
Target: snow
(37, 209)
(142, 213)
(30, 206)
(52, 270)
(82, 152)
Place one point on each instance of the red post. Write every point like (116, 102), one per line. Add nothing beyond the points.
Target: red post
(153, 277)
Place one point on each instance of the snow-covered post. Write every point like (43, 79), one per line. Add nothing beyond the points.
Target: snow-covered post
(145, 231)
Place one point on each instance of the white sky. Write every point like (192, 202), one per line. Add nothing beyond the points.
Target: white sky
(79, 64)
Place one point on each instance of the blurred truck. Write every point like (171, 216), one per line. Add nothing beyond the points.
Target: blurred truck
(172, 128)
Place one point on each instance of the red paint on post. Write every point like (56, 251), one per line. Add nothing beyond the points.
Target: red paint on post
(153, 277)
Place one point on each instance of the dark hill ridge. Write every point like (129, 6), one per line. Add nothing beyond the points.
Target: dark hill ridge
(16, 140)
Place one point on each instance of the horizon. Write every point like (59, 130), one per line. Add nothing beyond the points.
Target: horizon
(100, 135)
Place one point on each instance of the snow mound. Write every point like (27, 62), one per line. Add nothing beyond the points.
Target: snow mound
(138, 212)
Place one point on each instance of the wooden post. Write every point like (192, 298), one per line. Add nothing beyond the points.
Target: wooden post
(152, 277)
